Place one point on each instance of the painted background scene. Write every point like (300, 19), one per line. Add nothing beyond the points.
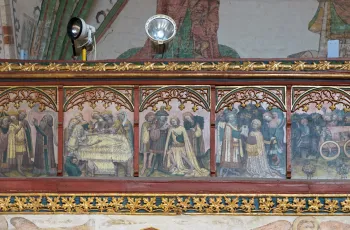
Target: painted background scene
(206, 29)
(174, 142)
(28, 142)
(151, 222)
(98, 141)
(321, 143)
(251, 142)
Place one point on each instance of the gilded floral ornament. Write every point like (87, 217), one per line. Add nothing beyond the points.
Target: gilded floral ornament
(231, 204)
(5, 204)
(100, 67)
(183, 203)
(167, 204)
(282, 205)
(5, 67)
(331, 205)
(268, 65)
(215, 205)
(200, 203)
(147, 66)
(248, 66)
(221, 66)
(345, 66)
(53, 67)
(171, 66)
(322, 65)
(75, 67)
(28, 67)
(53, 203)
(299, 205)
(274, 66)
(315, 205)
(68, 204)
(124, 66)
(133, 204)
(248, 205)
(196, 66)
(345, 205)
(266, 204)
(175, 204)
(150, 204)
(298, 66)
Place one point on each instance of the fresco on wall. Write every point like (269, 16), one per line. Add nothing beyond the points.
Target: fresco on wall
(174, 131)
(28, 134)
(332, 22)
(251, 132)
(95, 222)
(98, 131)
(320, 133)
(198, 23)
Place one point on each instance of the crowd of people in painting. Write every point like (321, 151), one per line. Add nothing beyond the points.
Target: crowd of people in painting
(250, 142)
(101, 124)
(172, 148)
(17, 154)
(318, 140)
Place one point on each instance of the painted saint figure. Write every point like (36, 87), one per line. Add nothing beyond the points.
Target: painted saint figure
(4, 128)
(194, 126)
(145, 141)
(178, 152)
(27, 162)
(44, 158)
(232, 149)
(273, 132)
(17, 145)
(257, 165)
(158, 133)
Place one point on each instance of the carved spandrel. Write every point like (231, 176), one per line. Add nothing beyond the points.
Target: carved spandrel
(332, 96)
(120, 97)
(198, 96)
(274, 97)
(46, 97)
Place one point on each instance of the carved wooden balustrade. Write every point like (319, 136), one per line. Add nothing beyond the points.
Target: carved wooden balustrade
(304, 97)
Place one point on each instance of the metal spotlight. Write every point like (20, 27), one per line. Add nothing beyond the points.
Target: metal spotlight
(80, 32)
(160, 28)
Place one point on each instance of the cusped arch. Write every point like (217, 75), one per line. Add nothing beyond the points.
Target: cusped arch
(116, 97)
(270, 98)
(22, 96)
(193, 96)
(302, 100)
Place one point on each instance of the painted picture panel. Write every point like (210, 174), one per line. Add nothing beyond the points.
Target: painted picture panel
(320, 133)
(154, 222)
(98, 131)
(174, 131)
(28, 134)
(251, 132)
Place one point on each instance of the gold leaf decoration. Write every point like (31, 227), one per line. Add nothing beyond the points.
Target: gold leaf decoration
(248, 205)
(282, 205)
(133, 204)
(299, 205)
(331, 205)
(231, 204)
(315, 205)
(345, 205)
(150, 204)
(167, 204)
(200, 203)
(266, 204)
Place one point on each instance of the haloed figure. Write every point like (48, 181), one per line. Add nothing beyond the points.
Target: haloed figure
(44, 159)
